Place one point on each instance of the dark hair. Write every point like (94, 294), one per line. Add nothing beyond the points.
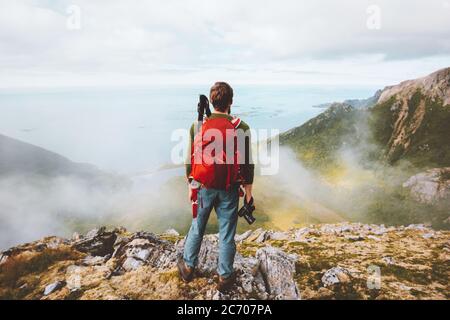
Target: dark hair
(221, 96)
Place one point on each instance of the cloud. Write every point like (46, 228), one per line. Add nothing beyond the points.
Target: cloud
(143, 39)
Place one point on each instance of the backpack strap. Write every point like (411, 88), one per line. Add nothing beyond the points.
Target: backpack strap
(235, 122)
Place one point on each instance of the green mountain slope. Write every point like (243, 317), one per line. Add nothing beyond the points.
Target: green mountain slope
(317, 141)
(410, 121)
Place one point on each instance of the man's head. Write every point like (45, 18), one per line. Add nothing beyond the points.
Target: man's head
(221, 96)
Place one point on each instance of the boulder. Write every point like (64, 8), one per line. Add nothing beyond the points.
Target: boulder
(430, 186)
(54, 287)
(336, 275)
(252, 279)
(144, 249)
(208, 255)
(278, 269)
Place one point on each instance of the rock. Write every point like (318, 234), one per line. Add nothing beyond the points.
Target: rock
(301, 232)
(417, 227)
(265, 235)
(335, 275)
(95, 232)
(94, 261)
(279, 236)
(24, 286)
(97, 242)
(3, 258)
(258, 236)
(216, 295)
(120, 230)
(306, 235)
(131, 263)
(278, 270)
(254, 235)
(339, 228)
(244, 236)
(54, 287)
(430, 186)
(388, 260)
(137, 252)
(250, 278)
(429, 235)
(74, 277)
(171, 232)
(371, 237)
(54, 242)
(76, 236)
(351, 237)
(144, 249)
(209, 254)
(404, 287)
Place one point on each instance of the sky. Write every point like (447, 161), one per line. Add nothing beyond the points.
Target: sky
(59, 43)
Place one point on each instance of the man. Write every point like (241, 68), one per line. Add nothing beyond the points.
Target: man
(223, 197)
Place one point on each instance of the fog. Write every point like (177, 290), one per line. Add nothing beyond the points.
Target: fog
(35, 206)
(359, 188)
(32, 207)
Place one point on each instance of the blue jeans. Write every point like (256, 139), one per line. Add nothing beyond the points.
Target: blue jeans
(226, 205)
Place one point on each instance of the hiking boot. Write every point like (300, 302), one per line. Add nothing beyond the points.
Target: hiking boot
(186, 272)
(225, 284)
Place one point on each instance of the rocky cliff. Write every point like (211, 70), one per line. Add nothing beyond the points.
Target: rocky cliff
(339, 261)
(411, 120)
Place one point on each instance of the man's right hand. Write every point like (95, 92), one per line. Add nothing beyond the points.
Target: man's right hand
(248, 193)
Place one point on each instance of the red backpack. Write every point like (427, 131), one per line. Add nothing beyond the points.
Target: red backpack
(210, 169)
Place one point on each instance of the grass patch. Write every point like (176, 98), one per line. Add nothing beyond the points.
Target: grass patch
(18, 266)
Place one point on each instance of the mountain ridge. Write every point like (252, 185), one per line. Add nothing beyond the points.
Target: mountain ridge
(22, 158)
(329, 261)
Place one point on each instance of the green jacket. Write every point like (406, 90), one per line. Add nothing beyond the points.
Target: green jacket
(247, 169)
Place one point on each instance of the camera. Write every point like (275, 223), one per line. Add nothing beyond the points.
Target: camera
(247, 211)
